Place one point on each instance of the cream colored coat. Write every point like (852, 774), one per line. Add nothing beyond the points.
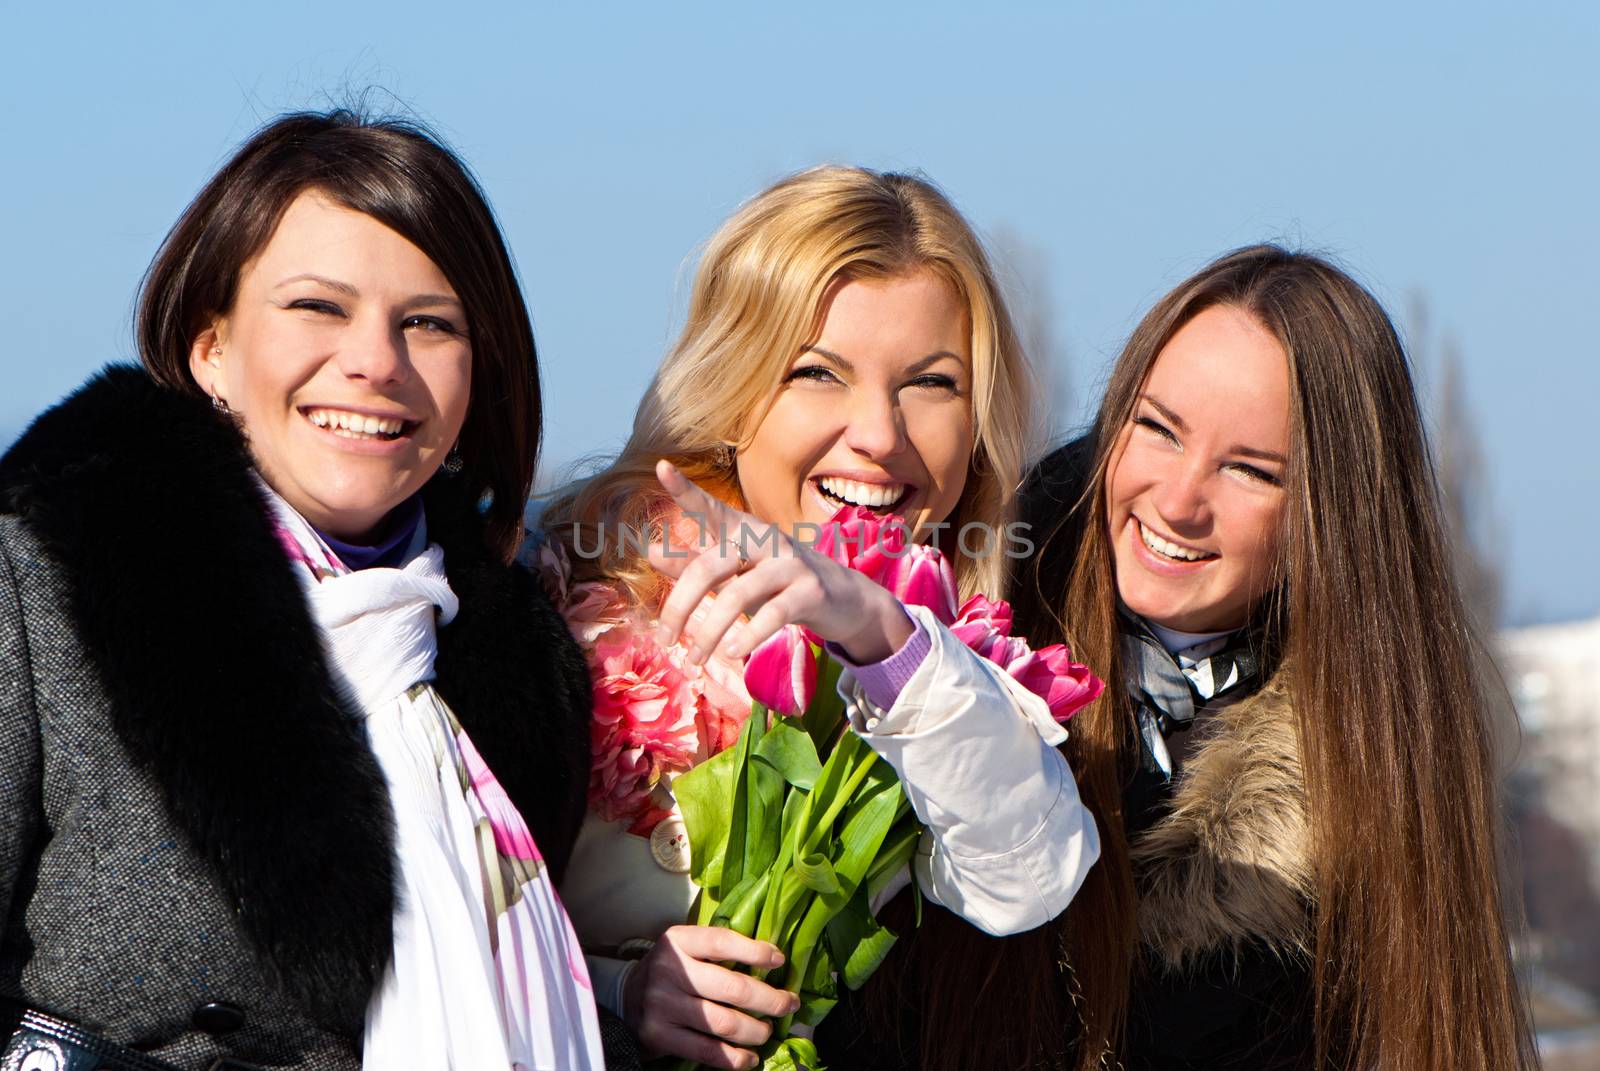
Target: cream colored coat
(1007, 841)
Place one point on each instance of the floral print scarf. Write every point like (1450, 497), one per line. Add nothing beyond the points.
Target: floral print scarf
(487, 972)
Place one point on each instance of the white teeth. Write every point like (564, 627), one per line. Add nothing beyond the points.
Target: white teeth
(1171, 550)
(871, 495)
(350, 425)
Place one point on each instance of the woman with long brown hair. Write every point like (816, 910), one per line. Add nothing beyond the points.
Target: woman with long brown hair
(1292, 767)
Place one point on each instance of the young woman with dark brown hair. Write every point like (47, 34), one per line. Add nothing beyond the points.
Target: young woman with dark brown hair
(1291, 768)
(262, 644)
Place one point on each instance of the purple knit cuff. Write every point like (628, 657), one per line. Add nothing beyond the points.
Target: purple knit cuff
(884, 681)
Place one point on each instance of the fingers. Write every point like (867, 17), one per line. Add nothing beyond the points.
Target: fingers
(695, 580)
(719, 1021)
(716, 944)
(730, 990)
(758, 588)
(719, 522)
(693, 499)
(701, 1048)
(758, 630)
(685, 1004)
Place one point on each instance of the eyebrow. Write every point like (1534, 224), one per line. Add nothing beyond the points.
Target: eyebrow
(1243, 451)
(350, 291)
(930, 359)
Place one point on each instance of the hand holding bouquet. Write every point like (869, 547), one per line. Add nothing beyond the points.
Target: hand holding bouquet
(796, 828)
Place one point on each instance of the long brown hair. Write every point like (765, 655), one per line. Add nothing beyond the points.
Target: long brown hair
(1412, 967)
(401, 175)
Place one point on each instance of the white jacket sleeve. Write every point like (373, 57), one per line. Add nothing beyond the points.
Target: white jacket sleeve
(1007, 841)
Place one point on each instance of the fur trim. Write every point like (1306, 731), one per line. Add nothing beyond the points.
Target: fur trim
(1230, 863)
(219, 687)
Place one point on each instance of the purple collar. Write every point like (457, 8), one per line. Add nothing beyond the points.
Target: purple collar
(392, 545)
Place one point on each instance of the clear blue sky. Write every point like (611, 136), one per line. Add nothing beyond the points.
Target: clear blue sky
(1442, 149)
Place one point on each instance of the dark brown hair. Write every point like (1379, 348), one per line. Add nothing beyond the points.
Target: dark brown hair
(1412, 965)
(400, 174)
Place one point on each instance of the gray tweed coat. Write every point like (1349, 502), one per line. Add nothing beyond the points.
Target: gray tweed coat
(196, 854)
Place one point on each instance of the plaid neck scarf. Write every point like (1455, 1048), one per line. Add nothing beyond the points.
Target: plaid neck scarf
(1169, 689)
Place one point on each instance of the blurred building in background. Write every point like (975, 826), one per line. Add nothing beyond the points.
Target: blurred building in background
(1553, 673)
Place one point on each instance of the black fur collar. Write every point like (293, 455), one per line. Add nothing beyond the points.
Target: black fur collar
(218, 684)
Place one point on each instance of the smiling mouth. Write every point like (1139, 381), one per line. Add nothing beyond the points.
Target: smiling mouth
(350, 425)
(878, 497)
(1167, 549)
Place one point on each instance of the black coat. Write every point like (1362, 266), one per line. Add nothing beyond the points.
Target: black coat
(196, 845)
(1223, 976)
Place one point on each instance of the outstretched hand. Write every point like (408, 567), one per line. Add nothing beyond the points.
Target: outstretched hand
(760, 572)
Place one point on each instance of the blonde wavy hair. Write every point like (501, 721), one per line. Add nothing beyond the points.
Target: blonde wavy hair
(756, 302)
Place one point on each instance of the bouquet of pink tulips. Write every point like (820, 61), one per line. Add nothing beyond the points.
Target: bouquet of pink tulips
(795, 829)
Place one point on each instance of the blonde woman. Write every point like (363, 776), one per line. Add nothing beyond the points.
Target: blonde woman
(846, 344)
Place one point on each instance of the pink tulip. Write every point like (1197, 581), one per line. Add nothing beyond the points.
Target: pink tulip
(1050, 673)
(1066, 686)
(782, 673)
(921, 576)
(985, 626)
(858, 538)
(981, 615)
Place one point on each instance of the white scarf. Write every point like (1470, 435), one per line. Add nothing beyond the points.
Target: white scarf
(487, 972)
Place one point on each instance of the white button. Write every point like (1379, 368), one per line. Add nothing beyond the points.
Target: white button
(669, 844)
(46, 1057)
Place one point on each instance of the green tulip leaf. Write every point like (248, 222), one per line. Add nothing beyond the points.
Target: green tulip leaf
(705, 796)
(739, 910)
(899, 845)
(793, 1054)
(817, 873)
(824, 718)
(790, 751)
(857, 941)
(733, 860)
(763, 827)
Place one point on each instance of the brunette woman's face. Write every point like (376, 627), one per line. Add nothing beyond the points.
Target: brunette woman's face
(346, 361)
(1195, 486)
(877, 412)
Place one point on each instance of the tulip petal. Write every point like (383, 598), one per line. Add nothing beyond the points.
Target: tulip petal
(782, 673)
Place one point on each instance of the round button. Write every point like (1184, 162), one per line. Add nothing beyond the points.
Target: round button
(669, 845)
(42, 1056)
(218, 1017)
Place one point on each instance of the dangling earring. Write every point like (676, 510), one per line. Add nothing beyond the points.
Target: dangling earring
(452, 461)
(725, 453)
(217, 403)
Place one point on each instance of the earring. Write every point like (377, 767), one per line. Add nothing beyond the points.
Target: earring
(725, 453)
(219, 405)
(452, 461)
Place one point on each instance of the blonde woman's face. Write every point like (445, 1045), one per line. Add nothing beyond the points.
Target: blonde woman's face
(877, 412)
(1195, 486)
